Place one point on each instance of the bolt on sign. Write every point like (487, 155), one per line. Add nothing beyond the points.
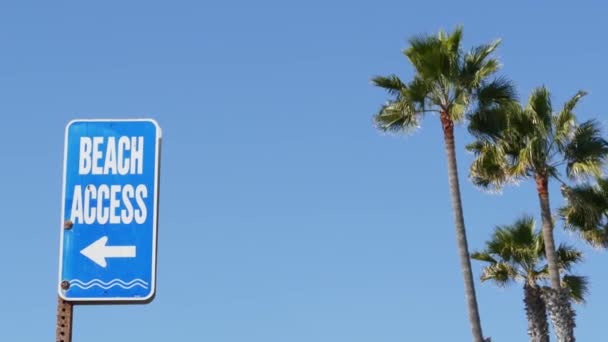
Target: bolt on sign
(109, 211)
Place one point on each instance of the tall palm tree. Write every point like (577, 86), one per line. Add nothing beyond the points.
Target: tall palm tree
(587, 211)
(533, 142)
(451, 83)
(517, 253)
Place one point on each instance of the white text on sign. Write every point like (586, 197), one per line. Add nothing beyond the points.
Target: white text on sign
(110, 203)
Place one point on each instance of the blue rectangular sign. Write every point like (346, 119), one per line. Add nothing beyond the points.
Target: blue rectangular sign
(109, 210)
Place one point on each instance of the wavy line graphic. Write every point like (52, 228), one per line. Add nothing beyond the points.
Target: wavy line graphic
(109, 282)
(107, 285)
(111, 286)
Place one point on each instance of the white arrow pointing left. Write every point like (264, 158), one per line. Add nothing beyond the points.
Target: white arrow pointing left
(98, 251)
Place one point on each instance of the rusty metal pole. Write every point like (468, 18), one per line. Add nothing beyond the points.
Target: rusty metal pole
(64, 320)
(65, 309)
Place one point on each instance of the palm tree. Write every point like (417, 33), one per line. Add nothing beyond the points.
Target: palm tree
(533, 142)
(517, 253)
(587, 211)
(451, 83)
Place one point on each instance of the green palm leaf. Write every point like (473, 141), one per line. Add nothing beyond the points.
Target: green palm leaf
(391, 83)
(565, 120)
(477, 67)
(501, 273)
(489, 167)
(578, 286)
(586, 212)
(587, 151)
(567, 256)
(397, 116)
(539, 105)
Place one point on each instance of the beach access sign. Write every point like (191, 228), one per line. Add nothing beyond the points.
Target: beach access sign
(109, 210)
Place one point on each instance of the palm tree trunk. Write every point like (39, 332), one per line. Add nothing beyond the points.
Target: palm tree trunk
(542, 186)
(557, 298)
(561, 313)
(461, 236)
(536, 311)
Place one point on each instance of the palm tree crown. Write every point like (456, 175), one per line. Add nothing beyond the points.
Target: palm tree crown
(517, 253)
(447, 81)
(534, 141)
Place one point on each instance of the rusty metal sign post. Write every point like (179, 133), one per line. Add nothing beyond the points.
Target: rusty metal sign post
(65, 309)
(64, 320)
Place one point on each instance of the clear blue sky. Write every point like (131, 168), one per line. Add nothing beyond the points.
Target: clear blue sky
(284, 215)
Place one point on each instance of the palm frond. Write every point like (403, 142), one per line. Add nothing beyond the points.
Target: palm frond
(478, 66)
(524, 241)
(438, 59)
(483, 256)
(597, 238)
(498, 91)
(586, 212)
(515, 243)
(458, 106)
(488, 124)
(565, 120)
(523, 158)
(541, 273)
(567, 256)
(488, 170)
(418, 93)
(522, 126)
(539, 104)
(585, 208)
(602, 184)
(570, 104)
(391, 83)
(427, 55)
(496, 105)
(578, 286)
(501, 273)
(396, 117)
(587, 151)
(453, 41)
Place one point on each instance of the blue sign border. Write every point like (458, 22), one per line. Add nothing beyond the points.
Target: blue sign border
(124, 300)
